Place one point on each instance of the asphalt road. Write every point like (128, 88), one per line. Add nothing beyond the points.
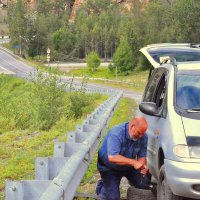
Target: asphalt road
(2, 41)
(15, 65)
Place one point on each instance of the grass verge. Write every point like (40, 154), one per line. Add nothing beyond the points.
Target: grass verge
(135, 80)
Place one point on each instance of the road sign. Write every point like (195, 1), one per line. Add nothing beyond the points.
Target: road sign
(48, 55)
(16, 47)
(48, 51)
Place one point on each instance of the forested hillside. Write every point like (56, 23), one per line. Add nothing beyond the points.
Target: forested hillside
(102, 26)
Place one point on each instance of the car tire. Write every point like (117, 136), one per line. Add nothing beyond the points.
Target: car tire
(163, 190)
(154, 191)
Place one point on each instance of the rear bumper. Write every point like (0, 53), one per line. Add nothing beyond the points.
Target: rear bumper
(183, 178)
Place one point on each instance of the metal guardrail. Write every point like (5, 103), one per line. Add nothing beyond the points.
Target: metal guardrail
(59, 176)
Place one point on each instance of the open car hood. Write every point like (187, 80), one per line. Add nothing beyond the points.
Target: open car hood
(182, 52)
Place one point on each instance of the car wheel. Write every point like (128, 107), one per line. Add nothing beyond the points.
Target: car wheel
(163, 190)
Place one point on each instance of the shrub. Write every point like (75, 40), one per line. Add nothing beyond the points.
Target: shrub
(49, 100)
(93, 61)
(40, 103)
(122, 58)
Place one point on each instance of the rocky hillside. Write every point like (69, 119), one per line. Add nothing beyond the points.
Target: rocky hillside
(77, 3)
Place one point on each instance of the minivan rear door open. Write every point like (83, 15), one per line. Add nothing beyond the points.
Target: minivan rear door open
(157, 53)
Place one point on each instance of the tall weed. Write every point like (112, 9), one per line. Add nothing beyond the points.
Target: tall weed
(49, 100)
(40, 103)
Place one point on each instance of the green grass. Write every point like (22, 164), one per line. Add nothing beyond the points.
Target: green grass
(134, 81)
(20, 147)
(123, 113)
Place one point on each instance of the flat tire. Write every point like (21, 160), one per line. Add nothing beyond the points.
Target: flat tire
(163, 190)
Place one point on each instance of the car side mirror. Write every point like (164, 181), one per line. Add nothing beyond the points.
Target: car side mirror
(149, 108)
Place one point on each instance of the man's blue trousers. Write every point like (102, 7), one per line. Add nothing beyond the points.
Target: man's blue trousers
(108, 187)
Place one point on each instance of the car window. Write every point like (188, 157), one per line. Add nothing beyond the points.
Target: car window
(160, 93)
(188, 90)
(152, 85)
(155, 87)
(156, 90)
(180, 54)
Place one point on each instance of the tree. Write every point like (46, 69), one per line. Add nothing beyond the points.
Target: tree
(155, 16)
(63, 41)
(93, 61)
(127, 29)
(45, 7)
(17, 24)
(184, 21)
(122, 58)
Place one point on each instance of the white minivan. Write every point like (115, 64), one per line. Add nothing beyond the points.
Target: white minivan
(171, 105)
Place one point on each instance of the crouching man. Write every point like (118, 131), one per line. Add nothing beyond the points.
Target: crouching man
(123, 153)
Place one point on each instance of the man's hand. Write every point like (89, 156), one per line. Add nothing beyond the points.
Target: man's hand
(137, 164)
(144, 170)
(121, 160)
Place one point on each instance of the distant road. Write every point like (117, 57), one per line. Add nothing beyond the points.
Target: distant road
(10, 63)
(2, 41)
(74, 65)
(13, 64)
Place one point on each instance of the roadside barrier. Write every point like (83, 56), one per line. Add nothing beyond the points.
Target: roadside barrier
(59, 176)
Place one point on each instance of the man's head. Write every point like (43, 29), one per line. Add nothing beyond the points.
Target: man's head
(137, 127)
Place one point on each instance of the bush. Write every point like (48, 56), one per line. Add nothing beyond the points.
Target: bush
(93, 61)
(41, 103)
(15, 107)
(49, 100)
(79, 101)
(122, 58)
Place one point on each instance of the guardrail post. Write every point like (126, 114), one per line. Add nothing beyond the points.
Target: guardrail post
(14, 190)
(80, 134)
(59, 149)
(71, 137)
(42, 169)
(51, 167)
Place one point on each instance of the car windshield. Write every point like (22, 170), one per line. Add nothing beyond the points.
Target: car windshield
(188, 90)
(180, 54)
